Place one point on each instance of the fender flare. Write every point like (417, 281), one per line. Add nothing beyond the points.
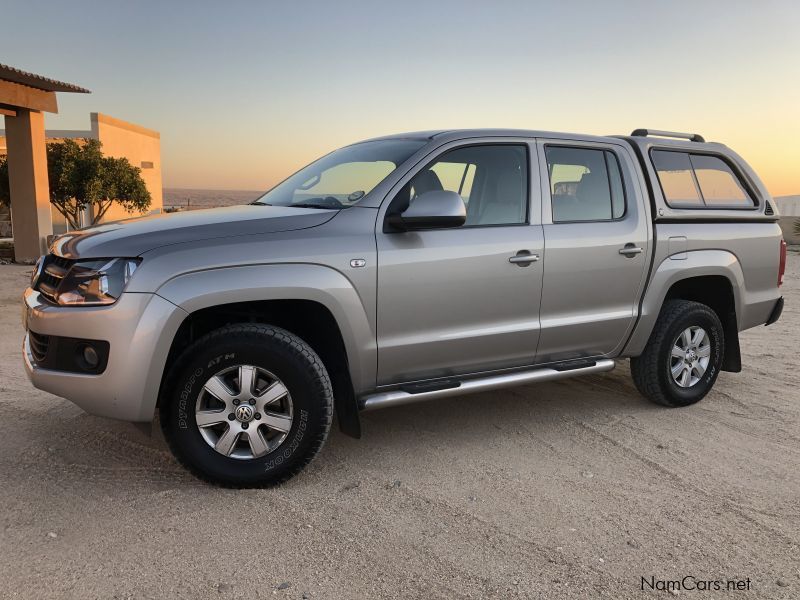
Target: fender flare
(197, 290)
(697, 263)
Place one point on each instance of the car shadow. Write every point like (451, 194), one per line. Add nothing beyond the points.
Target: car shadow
(110, 450)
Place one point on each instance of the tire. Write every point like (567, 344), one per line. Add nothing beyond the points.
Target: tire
(653, 370)
(224, 382)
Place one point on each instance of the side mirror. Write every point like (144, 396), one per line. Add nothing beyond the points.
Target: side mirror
(439, 208)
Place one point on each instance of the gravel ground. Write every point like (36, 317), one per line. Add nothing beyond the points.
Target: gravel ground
(570, 489)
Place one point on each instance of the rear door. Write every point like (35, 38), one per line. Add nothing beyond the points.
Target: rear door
(450, 301)
(596, 229)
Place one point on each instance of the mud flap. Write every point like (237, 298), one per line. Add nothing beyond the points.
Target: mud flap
(732, 357)
(344, 401)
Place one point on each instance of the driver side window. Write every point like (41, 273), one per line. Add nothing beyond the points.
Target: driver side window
(492, 180)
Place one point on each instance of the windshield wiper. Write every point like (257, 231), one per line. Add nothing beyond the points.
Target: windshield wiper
(310, 205)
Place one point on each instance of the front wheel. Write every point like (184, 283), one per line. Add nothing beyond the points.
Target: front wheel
(247, 406)
(683, 357)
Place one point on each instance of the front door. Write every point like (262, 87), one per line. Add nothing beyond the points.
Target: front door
(449, 300)
(596, 248)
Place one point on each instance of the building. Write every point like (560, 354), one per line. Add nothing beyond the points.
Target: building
(789, 208)
(24, 98)
(120, 139)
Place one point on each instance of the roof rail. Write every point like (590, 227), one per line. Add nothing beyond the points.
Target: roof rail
(692, 137)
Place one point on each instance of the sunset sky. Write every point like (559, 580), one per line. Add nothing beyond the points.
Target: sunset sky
(244, 93)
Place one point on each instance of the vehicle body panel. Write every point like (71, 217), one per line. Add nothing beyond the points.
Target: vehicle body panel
(135, 236)
(449, 300)
(591, 291)
(417, 305)
(745, 255)
(299, 281)
(139, 328)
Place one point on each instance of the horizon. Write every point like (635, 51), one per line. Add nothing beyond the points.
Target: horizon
(261, 191)
(243, 98)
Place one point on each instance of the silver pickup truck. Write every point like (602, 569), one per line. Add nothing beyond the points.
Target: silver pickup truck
(403, 269)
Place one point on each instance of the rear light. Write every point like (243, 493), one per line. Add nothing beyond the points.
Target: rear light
(782, 263)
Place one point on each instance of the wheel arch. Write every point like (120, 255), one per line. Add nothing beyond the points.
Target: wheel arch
(712, 277)
(316, 303)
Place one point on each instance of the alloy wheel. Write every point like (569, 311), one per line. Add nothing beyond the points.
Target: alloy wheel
(691, 353)
(244, 412)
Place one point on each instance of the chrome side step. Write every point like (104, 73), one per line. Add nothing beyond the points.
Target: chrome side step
(493, 382)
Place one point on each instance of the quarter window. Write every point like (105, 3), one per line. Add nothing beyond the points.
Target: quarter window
(699, 180)
(585, 184)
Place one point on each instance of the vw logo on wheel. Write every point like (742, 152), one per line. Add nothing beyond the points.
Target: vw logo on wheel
(244, 413)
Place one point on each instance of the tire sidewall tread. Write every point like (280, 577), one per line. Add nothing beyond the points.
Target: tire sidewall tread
(651, 370)
(274, 349)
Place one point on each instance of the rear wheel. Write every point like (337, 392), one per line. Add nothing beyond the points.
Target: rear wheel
(683, 357)
(247, 406)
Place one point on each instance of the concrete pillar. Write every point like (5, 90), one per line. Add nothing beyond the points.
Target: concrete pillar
(30, 193)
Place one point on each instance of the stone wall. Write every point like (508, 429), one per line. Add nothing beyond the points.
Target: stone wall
(787, 225)
(5, 222)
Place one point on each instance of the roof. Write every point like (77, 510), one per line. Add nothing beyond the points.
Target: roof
(38, 81)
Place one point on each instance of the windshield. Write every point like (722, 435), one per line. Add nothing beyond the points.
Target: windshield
(343, 177)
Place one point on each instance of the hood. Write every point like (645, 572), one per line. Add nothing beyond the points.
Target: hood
(135, 236)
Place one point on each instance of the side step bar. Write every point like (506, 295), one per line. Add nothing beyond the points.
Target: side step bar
(493, 382)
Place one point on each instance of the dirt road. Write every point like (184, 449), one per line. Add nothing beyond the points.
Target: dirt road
(570, 489)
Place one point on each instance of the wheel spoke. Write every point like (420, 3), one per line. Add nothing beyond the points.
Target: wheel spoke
(678, 352)
(247, 377)
(685, 377)
(227, 441)
(272, 394)
(217, 388)
(257, 443)
(207, 418)
(677, 369)
(278, 422)
(686, 336)
(698, 337)
(699, 369)
(704, 351)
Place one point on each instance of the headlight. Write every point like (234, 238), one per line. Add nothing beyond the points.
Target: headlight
(37, 270)
(96, 282)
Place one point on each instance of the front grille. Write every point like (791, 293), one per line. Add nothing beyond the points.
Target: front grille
(54, 269)
(39, 345)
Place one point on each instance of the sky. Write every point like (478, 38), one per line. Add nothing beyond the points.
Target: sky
(245, 93)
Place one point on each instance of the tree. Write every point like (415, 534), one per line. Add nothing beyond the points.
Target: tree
(80, 177)
(5, 195)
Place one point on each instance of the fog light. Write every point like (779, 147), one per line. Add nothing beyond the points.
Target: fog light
(91, 357)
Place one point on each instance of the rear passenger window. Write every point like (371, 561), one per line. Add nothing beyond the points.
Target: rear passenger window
(698, 181)
(585, 184)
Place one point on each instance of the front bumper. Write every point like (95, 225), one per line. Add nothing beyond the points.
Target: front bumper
(139, 328)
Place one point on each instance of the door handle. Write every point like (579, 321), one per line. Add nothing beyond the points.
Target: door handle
(630, 250)
(523, 258)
